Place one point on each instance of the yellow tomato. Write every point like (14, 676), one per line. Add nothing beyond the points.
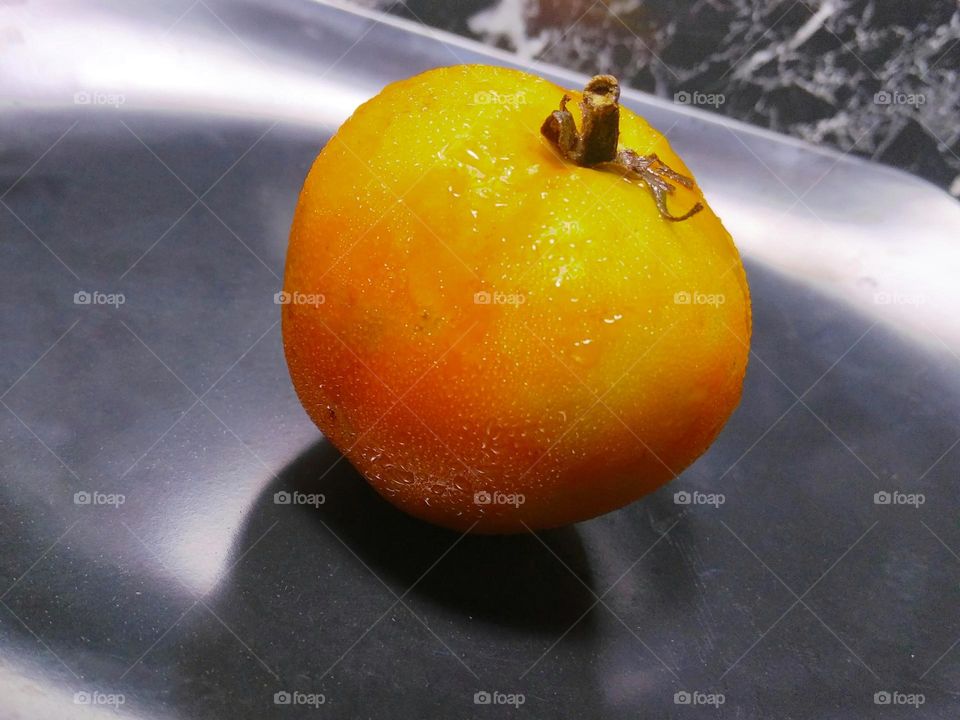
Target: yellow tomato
(496, 337)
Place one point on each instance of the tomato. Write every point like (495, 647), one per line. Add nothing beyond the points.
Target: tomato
(499, 332)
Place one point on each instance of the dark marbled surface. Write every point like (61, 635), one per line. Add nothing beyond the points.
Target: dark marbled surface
(878, 78)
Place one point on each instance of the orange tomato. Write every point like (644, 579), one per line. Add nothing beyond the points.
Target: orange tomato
(498, 338)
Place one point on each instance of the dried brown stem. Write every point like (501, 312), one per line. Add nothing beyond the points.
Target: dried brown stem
(595, 146)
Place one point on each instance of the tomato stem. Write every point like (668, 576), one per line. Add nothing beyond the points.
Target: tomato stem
(595, 146)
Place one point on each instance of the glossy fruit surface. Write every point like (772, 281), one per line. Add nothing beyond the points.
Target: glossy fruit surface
(499, 339)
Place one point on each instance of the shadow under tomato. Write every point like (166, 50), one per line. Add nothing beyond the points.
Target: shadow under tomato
(513, 580)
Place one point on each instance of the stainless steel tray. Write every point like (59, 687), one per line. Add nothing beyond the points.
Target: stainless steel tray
(155, 151)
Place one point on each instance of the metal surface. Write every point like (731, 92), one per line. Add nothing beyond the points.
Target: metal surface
(171, 179)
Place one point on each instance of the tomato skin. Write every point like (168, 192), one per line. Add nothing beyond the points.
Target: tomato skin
(499, 323)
